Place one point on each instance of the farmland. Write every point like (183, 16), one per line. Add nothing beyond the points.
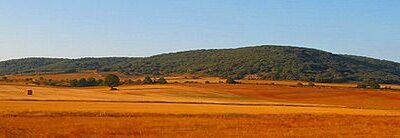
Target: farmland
(202, 125)
(198, 110)
(233, 68)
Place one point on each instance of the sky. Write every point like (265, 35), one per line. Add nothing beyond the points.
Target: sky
(134, 28)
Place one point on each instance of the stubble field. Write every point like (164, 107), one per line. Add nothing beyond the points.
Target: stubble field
(198, 110)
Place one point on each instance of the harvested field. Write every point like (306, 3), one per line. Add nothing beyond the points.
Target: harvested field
(198, 110)
(9, 107)
(225, 125)
(349, 97)
(171, 93)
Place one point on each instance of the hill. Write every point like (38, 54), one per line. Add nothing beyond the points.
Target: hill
(259, 62)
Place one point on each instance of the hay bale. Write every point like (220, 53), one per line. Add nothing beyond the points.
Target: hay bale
(29, 92)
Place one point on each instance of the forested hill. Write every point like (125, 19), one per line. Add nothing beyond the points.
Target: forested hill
(260, 62)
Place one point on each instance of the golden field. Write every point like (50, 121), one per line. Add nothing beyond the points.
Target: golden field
(200, 125)
(195, 109)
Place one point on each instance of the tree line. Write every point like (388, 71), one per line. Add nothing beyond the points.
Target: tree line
(113, 81)
(109, 80)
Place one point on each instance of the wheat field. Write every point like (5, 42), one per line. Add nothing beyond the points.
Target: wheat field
(198, 110)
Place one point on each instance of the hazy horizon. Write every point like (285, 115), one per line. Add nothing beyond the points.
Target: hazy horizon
(101, 28)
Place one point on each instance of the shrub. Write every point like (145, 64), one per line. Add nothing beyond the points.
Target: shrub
(100, 82)
(82, 82)
(147, 80)
(361, 85)
(74, 83)
(374, 85)
(91, 81)
(369, 84)
(162, 80)
(139, 81)
(230, 81)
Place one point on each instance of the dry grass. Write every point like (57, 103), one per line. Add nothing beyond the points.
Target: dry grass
(214, 93)
(227, 125)
(172, 93)
(349, 97)
(198, 110)
(178, 108)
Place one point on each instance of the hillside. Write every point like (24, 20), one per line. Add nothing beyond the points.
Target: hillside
(260, 62)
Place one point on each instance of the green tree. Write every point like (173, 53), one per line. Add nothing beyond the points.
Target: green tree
(374, 85)
(362, 85)
(147, 80)
(100, 82)
(162, 80)
(112, 81)
(82, 82)
(74, 83)
(91, 81)
(369, 84)
(230, 80)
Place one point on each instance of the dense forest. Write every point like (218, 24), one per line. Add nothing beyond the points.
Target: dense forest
(259, 62)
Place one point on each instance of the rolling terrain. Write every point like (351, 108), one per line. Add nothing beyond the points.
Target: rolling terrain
(274, 96)
(259, 62)
(198, 110)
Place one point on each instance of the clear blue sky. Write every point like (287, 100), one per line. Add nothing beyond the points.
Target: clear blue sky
(85, 28)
